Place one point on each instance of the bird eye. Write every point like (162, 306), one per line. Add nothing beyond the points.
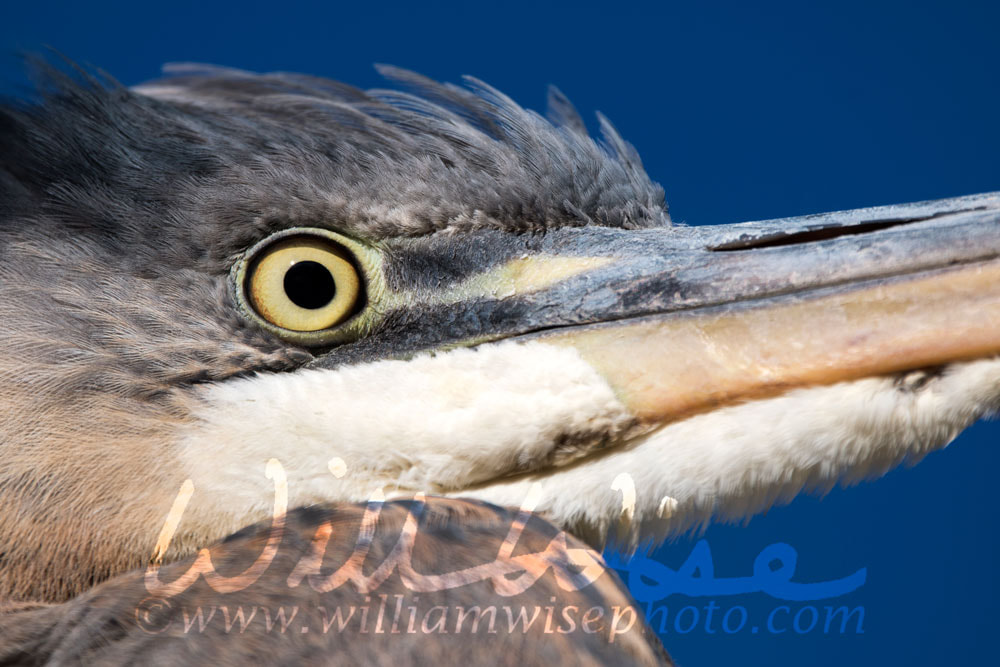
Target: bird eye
(303, 283)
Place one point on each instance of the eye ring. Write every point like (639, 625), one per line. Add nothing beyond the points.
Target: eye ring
(303, 283)
(335, 316)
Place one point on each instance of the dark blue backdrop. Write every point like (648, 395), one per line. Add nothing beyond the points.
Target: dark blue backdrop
(742, 111)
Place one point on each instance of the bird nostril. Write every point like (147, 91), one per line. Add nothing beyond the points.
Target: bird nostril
(808, 236)
(309, 285)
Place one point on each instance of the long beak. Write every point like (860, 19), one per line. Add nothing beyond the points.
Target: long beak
(704, 317)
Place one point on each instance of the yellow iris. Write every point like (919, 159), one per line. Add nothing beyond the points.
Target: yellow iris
(304, 284)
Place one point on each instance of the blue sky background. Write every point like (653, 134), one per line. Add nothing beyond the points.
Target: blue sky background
(742, 111)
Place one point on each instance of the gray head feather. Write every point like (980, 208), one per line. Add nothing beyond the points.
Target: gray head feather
(440, 157)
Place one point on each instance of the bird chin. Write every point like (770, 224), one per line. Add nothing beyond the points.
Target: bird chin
(535, 424)
(435, 424)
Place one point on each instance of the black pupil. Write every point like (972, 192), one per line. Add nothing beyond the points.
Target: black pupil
(309, 285)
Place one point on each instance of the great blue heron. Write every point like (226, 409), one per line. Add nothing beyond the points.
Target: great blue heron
(220, 274)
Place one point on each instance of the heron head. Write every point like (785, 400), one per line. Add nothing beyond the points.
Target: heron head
(435, 291)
